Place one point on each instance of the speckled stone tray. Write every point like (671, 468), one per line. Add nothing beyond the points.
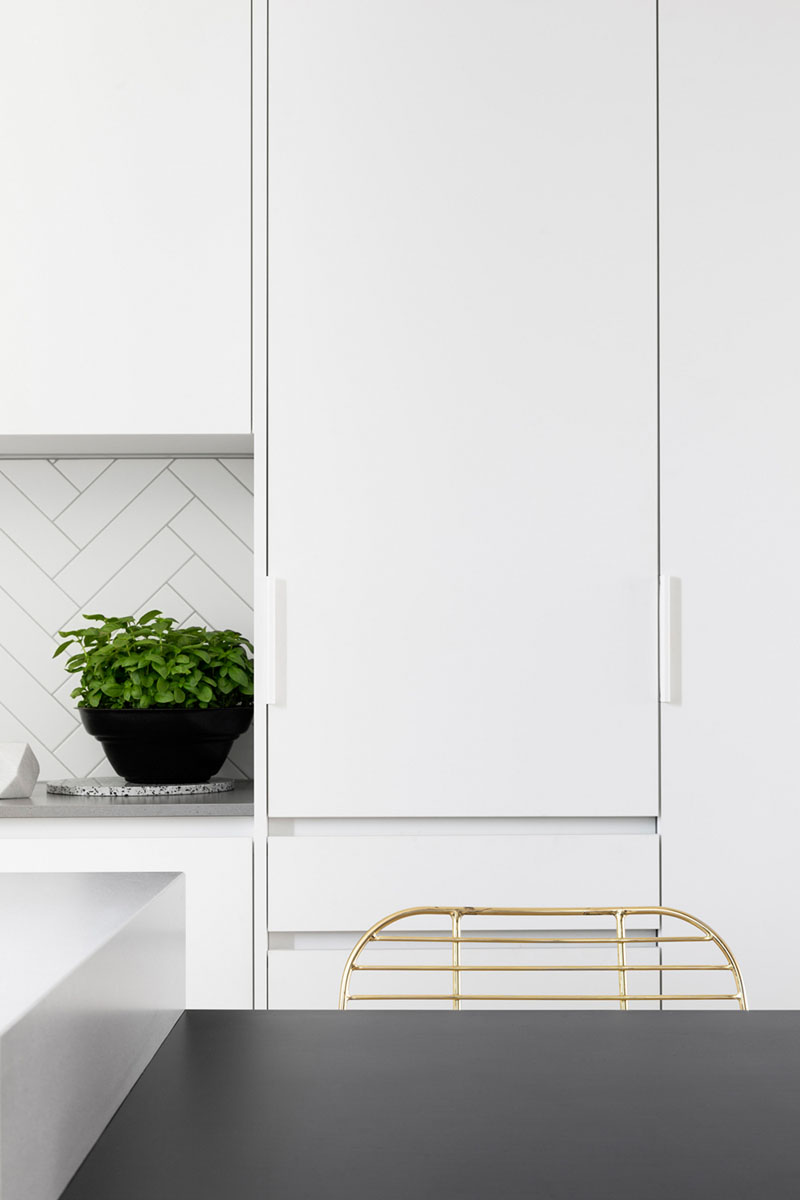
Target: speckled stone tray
(111, 785)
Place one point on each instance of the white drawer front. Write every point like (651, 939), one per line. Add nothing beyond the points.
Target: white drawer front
(348, 883)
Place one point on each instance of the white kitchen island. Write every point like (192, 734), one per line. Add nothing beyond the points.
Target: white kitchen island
(93, 979)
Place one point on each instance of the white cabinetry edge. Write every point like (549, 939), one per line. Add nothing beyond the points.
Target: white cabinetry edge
(93, 981)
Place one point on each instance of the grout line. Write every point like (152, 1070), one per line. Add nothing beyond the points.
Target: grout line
(54, 463)
(50, 463)
(58, 745)
(28, 672)
(81, 604)
(50, 633)
(117, 515)
(49, 520)
(210, 510)
(188, 545)
(35, 736)
(186, 600)
(80, 491)
(249, 491)
(50, 578)
(160, 588)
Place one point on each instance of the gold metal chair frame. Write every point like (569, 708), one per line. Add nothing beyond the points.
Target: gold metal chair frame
(620, 940)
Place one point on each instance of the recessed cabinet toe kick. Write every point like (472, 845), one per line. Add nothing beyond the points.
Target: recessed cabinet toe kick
(93, 981)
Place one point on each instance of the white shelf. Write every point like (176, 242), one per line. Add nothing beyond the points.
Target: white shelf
(125, 445)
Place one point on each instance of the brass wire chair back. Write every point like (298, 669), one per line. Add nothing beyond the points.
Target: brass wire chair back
(456, 939)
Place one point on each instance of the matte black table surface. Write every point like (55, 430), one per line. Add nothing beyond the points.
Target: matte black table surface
(489, 1105)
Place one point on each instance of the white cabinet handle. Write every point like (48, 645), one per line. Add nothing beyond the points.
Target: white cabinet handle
(271, 600)
(669, 639)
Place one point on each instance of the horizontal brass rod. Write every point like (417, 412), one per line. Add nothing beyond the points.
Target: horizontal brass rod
(538, 941)
(567, 996)
(468, 910)
(549, 967)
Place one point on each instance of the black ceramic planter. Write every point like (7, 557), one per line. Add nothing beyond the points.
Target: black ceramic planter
(166, 745)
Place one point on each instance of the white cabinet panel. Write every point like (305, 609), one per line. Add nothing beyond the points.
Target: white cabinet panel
(730, 261)
(219, 899)
(125, 217)
(93, 981)
(463, 407)
(348, 883)
(311, 978)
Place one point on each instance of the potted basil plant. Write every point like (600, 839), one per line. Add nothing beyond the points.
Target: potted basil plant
(166, 703)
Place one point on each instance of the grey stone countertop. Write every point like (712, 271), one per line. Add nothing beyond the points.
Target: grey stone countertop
(238, 803)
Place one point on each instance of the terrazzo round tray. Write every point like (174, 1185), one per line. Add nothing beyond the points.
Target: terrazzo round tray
(113, 786)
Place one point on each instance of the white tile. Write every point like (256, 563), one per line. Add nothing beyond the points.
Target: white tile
(168, 601)
(217, 546)
(81, 753)
(62, 692)
(81, 471)
(124, 538)
(242, 468)
(217, 488)
(221, 607)
(242, 753)
(41, 483)
(29, 644)
(230, 771)
(33, 590)
(104, 499)
(31, 530)
(32, 704)
(194, 618)
(129, 590)
(12, 731)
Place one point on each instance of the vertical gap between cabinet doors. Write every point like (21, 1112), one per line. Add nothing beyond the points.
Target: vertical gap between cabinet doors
(264, 900)
(658, 470)
(252, 182)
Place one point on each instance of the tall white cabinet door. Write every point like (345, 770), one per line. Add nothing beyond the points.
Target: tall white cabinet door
(125, 217)
(462, 429)
(730, 261)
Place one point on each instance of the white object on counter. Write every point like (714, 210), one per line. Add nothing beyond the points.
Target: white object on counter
(19, 770)
(93, 980)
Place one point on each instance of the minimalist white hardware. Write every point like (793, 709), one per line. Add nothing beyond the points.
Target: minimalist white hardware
(669, 639)
(272, 601)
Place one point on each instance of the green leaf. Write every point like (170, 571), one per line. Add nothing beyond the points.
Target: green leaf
(148, 616)
(64, 646)
(239, 676)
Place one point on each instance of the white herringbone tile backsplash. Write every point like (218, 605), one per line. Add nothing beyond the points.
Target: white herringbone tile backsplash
(114, 536)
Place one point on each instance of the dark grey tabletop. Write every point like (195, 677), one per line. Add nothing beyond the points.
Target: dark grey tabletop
(478, 1106)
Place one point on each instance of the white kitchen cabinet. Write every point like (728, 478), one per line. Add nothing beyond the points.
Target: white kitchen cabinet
(730, 259)
(348, 883)
(219, 895)
(125, 217)
(324, 892)
(462, 422)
